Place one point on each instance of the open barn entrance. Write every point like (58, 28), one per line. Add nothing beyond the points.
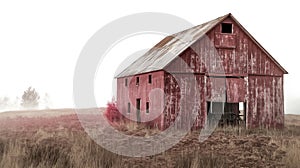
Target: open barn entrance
(226, 100)
(225, 113)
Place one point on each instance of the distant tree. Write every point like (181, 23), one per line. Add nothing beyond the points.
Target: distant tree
(47, 101)
(16, 102)
(4, 102)
(30, 98)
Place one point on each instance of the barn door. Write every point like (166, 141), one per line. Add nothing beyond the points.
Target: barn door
(216, 89)
(235, 90)
(138, 110)
(226, 89)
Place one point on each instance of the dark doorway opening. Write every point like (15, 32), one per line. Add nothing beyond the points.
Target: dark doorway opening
(225, 114)
(138, 110)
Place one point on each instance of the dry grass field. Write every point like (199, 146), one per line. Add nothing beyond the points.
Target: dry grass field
(55, 138)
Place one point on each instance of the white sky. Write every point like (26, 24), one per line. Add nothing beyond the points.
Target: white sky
(40, 41)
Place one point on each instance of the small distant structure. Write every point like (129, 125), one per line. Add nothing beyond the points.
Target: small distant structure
(236, 77)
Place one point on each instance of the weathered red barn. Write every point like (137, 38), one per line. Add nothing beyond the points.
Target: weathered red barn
(213, 69)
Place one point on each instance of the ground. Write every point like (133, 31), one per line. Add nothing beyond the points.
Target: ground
(55, 138)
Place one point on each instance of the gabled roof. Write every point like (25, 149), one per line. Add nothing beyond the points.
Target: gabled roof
(158, 57)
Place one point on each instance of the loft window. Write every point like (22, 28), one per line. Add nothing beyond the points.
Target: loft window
(226, 28)
(137, 82)
(126, 82)
(150, 79)
(128, 108)
(147, 107)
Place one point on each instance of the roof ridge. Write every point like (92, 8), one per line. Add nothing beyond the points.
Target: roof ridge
(202, 24)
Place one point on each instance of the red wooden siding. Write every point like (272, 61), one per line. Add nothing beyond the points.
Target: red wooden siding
(216, 89)
(184, 93)
(265, 101)
(225, 40)
(236, 90)
(147, 92)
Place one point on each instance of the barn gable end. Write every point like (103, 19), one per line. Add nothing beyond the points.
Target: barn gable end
(241, 54)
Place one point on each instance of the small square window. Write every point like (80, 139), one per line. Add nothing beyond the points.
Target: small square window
(226, 28)
(126, 82)
(137, 81)
(150, 79)
(147, 107)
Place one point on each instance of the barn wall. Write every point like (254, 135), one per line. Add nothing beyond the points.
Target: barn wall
(265, 102)
(183, 92)
(152, 93)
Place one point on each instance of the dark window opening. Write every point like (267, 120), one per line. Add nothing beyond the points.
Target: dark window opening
(226, 28)
(138, 110)
(150, 79)
(128, 108)
(126, 82)
(137, 81)
(147, 107)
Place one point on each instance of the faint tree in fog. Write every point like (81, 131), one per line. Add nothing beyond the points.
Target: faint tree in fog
(16, 102)
(30, 98)
(47, 101)
(4, 102)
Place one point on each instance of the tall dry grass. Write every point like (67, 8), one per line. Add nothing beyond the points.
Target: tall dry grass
(197, 160)
(67, 147)
(288, 140)
(63, 149)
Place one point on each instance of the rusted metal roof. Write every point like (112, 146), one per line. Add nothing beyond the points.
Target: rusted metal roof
(168, 49)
